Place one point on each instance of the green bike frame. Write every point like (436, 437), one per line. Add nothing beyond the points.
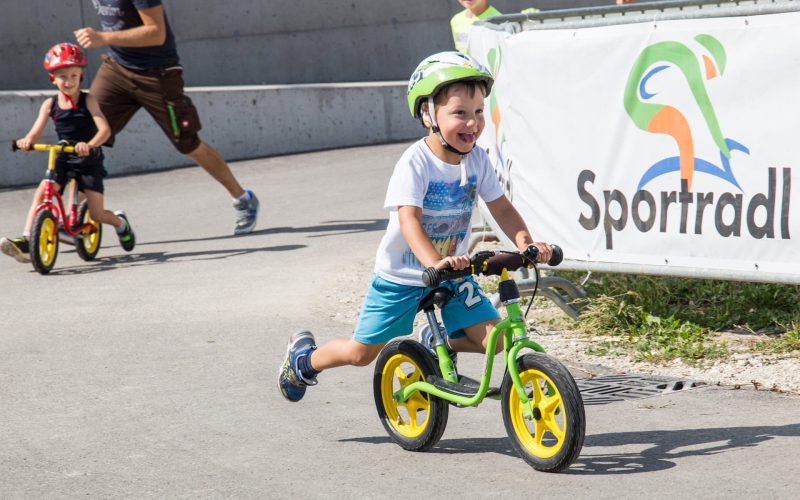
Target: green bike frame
(515, 338)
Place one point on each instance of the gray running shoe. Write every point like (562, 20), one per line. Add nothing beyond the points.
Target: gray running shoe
(246, 214)
(18, 248)
(425, 336)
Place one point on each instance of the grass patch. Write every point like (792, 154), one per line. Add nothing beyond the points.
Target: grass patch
(788, 341)
(658, 319)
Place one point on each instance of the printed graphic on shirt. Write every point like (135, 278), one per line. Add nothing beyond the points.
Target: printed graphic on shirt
(112, 17)
(446, 214)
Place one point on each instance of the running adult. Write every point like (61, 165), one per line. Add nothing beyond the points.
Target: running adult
(142, 70)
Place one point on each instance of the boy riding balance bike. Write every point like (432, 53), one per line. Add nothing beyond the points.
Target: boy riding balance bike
(430, 198)
(78, 121)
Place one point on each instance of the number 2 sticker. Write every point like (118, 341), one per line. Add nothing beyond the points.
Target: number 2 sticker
(474, 297)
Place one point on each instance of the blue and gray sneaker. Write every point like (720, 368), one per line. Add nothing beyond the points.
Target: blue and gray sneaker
(246, 213)
(426, 339)
(291, 382)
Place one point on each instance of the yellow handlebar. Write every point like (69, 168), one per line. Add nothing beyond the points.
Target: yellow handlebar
(59, 148)
(51, 148)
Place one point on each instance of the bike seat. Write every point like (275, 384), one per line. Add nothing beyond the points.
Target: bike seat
(438, 297)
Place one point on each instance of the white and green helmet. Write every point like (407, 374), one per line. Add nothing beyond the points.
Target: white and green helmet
(442, 69)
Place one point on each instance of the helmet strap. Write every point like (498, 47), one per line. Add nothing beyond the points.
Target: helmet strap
(436, 130)
(71, 102)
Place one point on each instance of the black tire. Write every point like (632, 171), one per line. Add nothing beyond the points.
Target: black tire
(44, 241)
(88, 244)
(418, 423)
(554, 438)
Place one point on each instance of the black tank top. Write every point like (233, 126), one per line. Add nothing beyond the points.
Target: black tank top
(74, 126)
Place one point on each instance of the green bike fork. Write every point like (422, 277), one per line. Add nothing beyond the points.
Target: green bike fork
(519, 340)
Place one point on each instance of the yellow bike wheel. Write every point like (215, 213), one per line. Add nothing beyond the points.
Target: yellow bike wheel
(44, 241)
(553, 438)
(88, 243)
(417, 423)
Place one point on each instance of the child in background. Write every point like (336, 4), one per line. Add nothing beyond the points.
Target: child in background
(430, 198)
(78, 121)
(474, 10)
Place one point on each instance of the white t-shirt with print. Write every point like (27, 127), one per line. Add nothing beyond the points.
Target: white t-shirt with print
(420, 179)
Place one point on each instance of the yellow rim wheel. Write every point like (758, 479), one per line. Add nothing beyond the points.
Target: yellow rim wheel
(409, 418)
(91, 237)
(543, 436)
(47, 241)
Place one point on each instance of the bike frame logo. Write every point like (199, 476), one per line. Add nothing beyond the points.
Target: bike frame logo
(666, 119)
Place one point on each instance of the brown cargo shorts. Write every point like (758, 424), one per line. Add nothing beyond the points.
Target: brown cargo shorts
(121, 92)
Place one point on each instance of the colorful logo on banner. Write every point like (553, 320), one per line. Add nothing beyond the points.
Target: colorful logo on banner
(502, 163)
(495, 57)
(665, 119)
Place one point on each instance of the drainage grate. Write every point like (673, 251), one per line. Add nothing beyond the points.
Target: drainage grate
(613, 388)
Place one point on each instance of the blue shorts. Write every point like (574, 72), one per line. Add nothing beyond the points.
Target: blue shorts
(389, 309)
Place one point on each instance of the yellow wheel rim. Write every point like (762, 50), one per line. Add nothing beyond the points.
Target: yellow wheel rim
(91, 236)
(543, 436)
(47, 242)
(409, 418)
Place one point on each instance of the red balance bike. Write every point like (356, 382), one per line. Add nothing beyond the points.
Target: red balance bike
(86, 232)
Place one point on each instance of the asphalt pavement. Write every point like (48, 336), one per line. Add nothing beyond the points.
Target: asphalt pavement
(153, 374)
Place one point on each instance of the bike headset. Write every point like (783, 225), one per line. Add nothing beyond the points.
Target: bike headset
(64, 55)
(431, 76)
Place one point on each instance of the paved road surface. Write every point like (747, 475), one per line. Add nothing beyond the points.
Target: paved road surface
(152, 374)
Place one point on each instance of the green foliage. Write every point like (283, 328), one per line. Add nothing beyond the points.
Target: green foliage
(646, 336)
(713, 304)
(788, 341)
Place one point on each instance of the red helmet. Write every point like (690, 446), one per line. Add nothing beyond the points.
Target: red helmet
(64, 55)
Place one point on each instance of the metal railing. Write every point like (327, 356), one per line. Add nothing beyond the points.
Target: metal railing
(590, 17)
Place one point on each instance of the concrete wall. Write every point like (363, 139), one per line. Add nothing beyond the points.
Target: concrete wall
(241, 122)
(248, 42)
(255, 42)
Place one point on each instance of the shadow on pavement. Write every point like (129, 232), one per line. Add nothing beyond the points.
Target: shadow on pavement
(325, 228)
(147, 259)
(453, 446)
(666, 447)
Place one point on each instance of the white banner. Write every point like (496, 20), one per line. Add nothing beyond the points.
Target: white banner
(668, 145)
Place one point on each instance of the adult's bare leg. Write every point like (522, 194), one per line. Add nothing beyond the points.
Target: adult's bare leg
(213, 163)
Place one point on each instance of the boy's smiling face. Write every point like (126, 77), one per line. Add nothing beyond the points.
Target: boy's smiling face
(459, 115)
(68, 80)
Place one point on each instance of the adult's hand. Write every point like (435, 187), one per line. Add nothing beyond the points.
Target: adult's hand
(90, 38)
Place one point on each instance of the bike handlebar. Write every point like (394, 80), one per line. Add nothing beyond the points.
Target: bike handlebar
(61, 148)
(490, 263)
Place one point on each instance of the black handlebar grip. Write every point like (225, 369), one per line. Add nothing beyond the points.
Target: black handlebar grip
(450, 274)
(556, 257)
(430, 277)
(14, 146)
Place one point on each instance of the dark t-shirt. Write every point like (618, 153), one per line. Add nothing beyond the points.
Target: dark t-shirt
(74, 126)
(118, 15)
